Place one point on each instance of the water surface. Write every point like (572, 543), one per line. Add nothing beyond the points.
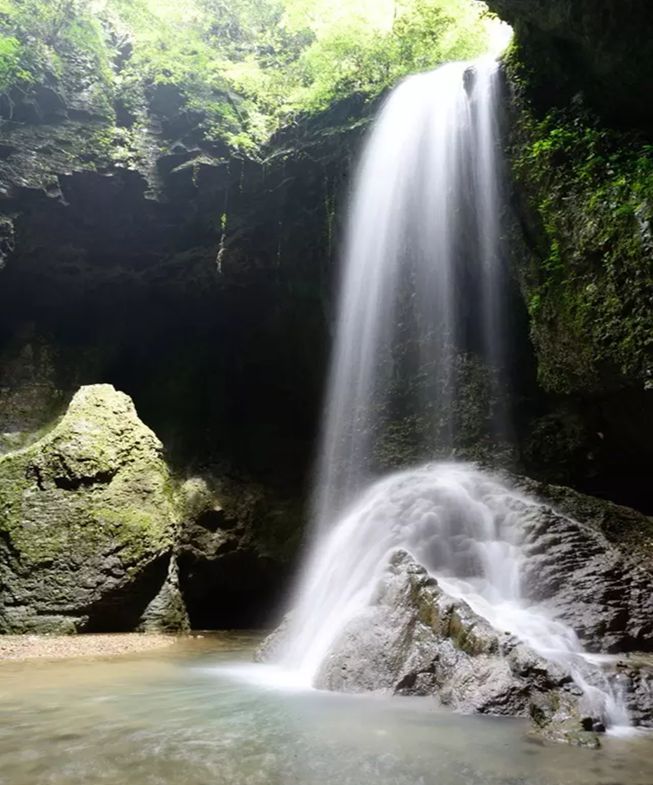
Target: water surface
(182, 716)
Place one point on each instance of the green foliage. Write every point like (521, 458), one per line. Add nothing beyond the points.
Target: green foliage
(59, 40)
(252, 65)
(367, 54)
(11, 57)
(590, 290)
(245, 67)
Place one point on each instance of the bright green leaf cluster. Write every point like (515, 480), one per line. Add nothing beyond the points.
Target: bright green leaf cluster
(246, 66)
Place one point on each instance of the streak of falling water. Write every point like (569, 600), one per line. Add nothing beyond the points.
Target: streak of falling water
(424, 231)
(423, 276)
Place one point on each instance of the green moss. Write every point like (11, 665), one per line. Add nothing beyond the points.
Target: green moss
(136, 530)
(274, 524)
(59, 40)
(589, 286)
(269, 524)
(11, 57)
(458, 633)
(463, 637)
(241, 69)
(95, 483)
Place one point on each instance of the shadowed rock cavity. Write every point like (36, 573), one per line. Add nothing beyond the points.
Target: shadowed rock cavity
(235, 551)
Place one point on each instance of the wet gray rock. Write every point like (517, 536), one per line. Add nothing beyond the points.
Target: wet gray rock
(634, 681)
(556, 717)
(414, 639)
(272, 648)
(167, 611)
(590, 561)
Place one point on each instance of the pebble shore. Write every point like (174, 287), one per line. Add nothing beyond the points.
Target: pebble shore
(57, 647)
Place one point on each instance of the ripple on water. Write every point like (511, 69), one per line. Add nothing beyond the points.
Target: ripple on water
(200, 717)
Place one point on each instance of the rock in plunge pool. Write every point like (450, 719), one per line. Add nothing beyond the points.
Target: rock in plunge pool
(183, 715)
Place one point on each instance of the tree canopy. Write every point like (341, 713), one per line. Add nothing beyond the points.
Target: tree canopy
(249, 66)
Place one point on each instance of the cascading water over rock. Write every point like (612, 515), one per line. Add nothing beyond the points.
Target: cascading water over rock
(423, 282)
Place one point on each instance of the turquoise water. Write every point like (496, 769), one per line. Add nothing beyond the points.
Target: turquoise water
(184, 715)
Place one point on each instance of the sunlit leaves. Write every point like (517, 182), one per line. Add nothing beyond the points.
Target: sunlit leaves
(249, 65)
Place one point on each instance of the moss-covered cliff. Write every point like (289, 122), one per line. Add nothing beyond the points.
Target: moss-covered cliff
(590, 279)
(582, 171)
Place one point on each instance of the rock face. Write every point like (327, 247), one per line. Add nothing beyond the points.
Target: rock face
(582, 196)
(414, 639)
(29, 395)
(634, 680)
(97, 535)
(235, 550)
(87, 520)
(224, 359)
(131, 251)
(591, 562)
(167, 611)
(600, 47)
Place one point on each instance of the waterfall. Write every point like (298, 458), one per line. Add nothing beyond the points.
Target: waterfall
(422, 283)
(422, 275)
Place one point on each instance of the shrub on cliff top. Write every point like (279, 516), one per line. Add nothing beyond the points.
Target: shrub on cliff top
(248, 66)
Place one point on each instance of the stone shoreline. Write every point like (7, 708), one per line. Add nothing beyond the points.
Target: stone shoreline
(57, 647)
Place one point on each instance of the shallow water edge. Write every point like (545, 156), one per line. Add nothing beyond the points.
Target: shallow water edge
(184, 714)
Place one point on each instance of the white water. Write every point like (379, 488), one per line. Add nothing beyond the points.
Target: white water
(422, 270)
(422, 282)
(463, 525)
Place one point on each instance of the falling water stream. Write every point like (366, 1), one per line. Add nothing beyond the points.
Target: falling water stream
(422, 276)
(423, 281)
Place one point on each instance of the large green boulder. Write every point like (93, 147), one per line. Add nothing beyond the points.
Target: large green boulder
(87, 521)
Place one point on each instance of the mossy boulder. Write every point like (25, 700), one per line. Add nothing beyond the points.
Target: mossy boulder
(87, 520)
